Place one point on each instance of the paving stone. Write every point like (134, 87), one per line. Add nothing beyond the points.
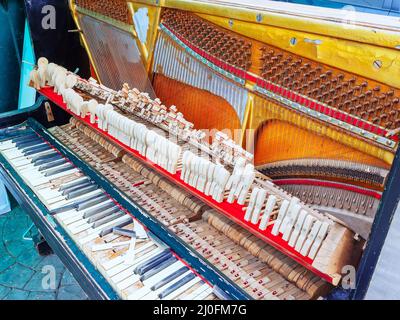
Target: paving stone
(14, 229)
(42, 296)
(21, 265)
(29, 258)
(3, 251)
(16, 247)
(4, 291)
(72, 292)
(68, 279)
(16, 294)
(5, 262)
(16, 276)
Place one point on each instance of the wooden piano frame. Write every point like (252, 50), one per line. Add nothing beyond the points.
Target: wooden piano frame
(92, 282)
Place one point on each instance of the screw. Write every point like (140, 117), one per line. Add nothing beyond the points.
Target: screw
(377, 64)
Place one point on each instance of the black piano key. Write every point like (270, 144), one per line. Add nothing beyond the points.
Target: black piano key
(52, 172)
(75, 204)
(14, 131)
(37, 161)
(101, 214)
(82, 201)
(90, 203)
(124, 232)
(61, 209)
(120, 225)
(24, 137)
(177, 285)
(107, 219)
(27, 142)
(58, 166)
(158, 269)
(37, 150)
(108, 208)
(154, 263)
(82, 184)
(52, 164)
(32, 144)
(145, 263)
(33, 147)
(81, 191)
(73, 184)
(169, 278)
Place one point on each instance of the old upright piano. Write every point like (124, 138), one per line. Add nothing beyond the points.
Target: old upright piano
(218, 149)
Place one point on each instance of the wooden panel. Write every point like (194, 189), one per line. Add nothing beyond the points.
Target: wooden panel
(277, 140)
(204, 109)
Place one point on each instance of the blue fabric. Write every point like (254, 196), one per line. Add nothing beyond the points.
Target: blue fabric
(27, 95)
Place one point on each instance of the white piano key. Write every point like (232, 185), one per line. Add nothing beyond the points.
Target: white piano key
(79, 227)
(22, 162)
(120, 259)
(48, 193)
(22, 157)
(8, 144)
(128, 282)
(130, 254)
(13, 154)
(139, 293)
(204, 294)
(109, 246)
(39, 181)
(182, 289)
(196, 292)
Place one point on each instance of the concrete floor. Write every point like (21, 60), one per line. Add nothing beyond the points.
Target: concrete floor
(23, 270)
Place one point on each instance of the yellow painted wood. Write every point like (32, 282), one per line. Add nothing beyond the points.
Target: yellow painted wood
(263, 110)
(352, 56)
(337, 29)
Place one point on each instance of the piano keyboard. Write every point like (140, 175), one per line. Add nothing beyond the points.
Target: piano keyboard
(135, 263)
